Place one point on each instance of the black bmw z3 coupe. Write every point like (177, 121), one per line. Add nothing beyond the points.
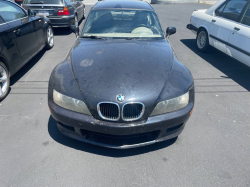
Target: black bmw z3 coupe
(121, 84)
(22, 36)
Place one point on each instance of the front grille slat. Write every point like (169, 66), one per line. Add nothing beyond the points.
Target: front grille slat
(132, 111)
(109, 111)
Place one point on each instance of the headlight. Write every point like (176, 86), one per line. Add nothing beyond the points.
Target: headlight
(70, 103)
(171, 105)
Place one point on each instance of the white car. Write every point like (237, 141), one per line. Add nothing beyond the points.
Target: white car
(225, 26)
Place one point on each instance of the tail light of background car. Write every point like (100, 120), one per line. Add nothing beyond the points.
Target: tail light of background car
(64, 12)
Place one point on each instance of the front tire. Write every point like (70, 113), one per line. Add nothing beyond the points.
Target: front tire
(4, 81)
(202, 40)
(49, 38)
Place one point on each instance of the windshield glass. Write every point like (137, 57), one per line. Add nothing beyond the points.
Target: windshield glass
(43, 1)
(122, 24)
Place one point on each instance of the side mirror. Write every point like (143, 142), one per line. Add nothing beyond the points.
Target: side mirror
(75, 29)
(170, 31)
(31, 13)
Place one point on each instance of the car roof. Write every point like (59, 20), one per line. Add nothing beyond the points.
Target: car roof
(123, 4)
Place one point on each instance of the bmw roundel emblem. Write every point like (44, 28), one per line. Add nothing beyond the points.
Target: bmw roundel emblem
(120, 98)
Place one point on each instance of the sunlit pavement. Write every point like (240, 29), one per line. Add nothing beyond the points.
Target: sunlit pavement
(213, 149)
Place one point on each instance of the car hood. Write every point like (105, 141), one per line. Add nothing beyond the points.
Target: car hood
(105, 68)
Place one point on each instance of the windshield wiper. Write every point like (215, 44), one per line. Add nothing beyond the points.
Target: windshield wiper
(93, 37)
(40, 2)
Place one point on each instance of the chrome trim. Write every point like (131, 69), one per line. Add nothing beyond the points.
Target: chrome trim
(68, 17)
(133, 119)
(100, 114)
(42, 9)
(44, 5)
(14, 20)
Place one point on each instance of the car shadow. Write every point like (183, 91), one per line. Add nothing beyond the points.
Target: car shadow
(233, 69)
(18, 75)
(64, 140)
(61, 31)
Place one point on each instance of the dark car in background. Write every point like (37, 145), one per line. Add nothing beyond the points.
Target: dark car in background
(62, 13)
(19, 1)
(22, 36)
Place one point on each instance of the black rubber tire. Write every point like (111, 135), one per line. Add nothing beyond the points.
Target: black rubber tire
(8, 81)
(206, 46)
(48, 46)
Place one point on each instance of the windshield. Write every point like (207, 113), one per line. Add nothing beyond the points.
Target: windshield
(122, 24)
(43, 1)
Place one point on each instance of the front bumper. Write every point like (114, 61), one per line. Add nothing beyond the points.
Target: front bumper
(62, 21)
(120, 135)
(192, 28)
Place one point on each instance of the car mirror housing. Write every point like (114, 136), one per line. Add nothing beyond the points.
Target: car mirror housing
(31, 13)
(75, 29)
(170, 31)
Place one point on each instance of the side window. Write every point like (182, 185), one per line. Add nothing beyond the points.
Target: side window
(10, 12)
(220, 9)
(246, 17)
(233, 9)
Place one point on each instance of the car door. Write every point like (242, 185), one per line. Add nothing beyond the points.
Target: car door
(40, 34)
(239, 40)
(8, 48)
(222, 24)
(22, 29)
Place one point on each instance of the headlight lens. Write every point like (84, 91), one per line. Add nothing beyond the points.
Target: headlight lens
(171, 105)
(70, 103)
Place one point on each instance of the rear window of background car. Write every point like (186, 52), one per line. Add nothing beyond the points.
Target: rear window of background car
(246, 17)
(10, 12)
(233, 9)
(44, 1)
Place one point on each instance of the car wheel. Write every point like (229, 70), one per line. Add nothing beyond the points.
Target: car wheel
(84, 14)
(4, 81)
(49, 38)
(202, 41)
(76, 20)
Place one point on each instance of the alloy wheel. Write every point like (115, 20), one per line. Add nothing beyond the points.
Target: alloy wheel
(202, 39)
(3, 81)
(76, 22)
(50, 37)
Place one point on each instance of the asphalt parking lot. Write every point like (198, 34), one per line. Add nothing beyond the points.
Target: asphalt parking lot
(213, 149)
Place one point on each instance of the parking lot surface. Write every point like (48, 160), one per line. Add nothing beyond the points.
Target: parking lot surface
(213, 149)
